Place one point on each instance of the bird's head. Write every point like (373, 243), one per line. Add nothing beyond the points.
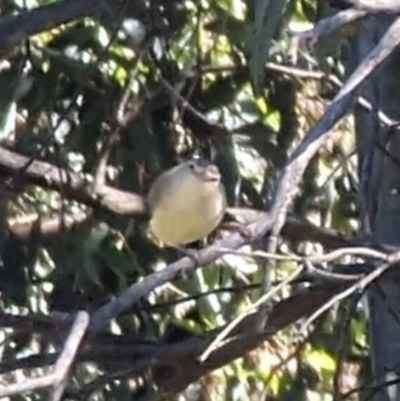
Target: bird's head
(203, 170)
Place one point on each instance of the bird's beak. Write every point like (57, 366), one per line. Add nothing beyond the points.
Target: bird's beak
(212, 173)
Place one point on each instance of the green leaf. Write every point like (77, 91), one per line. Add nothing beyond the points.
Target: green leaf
(267, 16)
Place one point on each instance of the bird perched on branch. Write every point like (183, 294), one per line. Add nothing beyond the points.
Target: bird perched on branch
(186, 203)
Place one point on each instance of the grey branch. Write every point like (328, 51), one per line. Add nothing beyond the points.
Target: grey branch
(372, 6)
(67, 356)
(70, 184)
(57, 378)
(330, 24)
(15, 29)
(288, 186)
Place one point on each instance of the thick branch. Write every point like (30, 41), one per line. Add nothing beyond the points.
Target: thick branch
(70, 185)
(289, 183)
(14, 29)
(185, 353)
(180, 360)
(51, 227)
(114, 200)
(247, 339)
(370, 6)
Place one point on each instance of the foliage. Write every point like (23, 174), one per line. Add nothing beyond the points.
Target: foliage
(97, 97)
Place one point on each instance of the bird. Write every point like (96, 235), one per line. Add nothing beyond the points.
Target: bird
(186, 203)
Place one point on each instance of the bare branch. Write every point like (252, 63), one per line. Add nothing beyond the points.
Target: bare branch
(114, 200)
(357, 286)
(50, 227)
(70, 185)
(67, 356)
(329, 24)
(251, 309)
(15, 29)
(288, 186)
(58, 376)
(243, 339)
(140, 289)
(370, 6)
(27, 386)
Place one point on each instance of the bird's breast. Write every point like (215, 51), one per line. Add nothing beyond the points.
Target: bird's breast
(188, 216)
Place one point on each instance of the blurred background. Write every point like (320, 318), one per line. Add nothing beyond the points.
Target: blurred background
(125, 95)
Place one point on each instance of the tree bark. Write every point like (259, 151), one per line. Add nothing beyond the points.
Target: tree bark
(379, 173)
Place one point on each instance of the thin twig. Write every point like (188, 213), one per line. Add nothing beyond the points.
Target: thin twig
(329, 257)
(359, 285)
(288, 186)
(317, 136)
(325, 258)
(67, 356)
(329, 24)
(58, 376)
(228, 329)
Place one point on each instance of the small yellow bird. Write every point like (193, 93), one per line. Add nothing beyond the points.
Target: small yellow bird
(186, 203)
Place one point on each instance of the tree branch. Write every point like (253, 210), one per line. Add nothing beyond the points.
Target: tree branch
(288, 186)
(15, 29)
(370, 6)
(70, 185)
(58, 376)
(51, 227)
(108, 198)
(67, 356)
